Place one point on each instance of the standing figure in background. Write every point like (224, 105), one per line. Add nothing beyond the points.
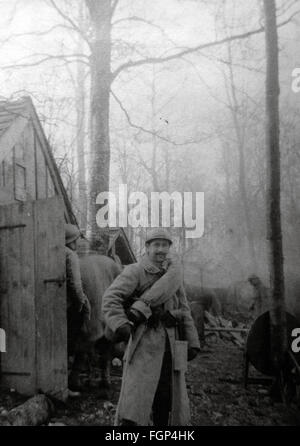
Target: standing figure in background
(78, 306)
(261, 296)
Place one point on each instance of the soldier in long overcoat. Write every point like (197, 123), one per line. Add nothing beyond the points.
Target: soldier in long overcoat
(78, 306)
(161, 333)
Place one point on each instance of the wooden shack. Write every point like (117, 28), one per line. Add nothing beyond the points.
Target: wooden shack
(34, 207)
(33, 210)
(27, 167)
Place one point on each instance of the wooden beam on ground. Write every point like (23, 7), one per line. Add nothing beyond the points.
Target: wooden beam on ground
(233, 330)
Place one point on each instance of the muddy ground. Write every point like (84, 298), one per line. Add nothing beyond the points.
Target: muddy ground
(219, 398)
(217, 395)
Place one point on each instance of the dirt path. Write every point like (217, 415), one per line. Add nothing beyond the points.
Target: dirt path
(216, 390)
(218, 396)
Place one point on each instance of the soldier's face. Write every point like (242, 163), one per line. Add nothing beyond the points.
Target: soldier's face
(157, 250)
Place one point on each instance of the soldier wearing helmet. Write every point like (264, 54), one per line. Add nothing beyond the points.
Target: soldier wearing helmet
(78, 306)
(261, 296)
(147, 306)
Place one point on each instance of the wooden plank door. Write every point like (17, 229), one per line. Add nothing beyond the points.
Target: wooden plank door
(33, 297)
(50, 303)
(17, 296)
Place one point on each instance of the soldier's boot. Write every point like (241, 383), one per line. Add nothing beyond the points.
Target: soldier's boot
(161, 416)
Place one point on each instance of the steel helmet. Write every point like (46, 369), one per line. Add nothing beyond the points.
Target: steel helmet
(158, 233)
(72, 233)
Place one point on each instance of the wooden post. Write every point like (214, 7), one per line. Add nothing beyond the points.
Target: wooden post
(277, 303)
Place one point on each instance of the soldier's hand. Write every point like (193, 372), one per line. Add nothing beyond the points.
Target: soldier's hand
(86, 308)
(135, 316)
(123, 333)
(79, 306)
(192, 353)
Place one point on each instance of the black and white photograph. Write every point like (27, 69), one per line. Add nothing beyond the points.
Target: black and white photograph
(150, 215)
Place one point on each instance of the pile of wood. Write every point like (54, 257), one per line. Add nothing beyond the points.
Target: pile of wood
(223, 328)
(36, 411)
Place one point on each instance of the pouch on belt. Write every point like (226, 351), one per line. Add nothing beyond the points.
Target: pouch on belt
(180, 356)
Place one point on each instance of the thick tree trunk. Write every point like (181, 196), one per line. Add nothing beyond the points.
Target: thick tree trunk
(277, 313)
(100, 12)
(154, 170)
(80, 143)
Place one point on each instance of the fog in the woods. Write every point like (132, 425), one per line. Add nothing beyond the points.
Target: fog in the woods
(193, 123)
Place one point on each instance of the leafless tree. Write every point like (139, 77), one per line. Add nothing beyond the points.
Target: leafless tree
(277, 311)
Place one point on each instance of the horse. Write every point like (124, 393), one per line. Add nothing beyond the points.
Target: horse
(201, 300)
(97, 273)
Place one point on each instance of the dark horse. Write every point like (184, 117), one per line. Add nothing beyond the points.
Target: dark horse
(201, 300)
(97, 273)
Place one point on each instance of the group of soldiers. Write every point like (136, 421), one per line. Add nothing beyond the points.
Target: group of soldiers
(145, 307)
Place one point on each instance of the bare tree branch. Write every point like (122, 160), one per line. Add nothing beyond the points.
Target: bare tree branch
(78, 55)
(70, 21)
(144, 164)
(35, 33)
(149, 23)
(114, 6)
(150, 132)
(13, 11)
(138, 127)
(66, 58)
(185, 52)
(286, 7)
(144, 21)
(156, 134)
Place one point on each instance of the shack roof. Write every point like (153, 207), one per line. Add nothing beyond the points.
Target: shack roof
(14, 117)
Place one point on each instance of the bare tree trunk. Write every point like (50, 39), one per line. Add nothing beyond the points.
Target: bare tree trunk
(80, 142)
(154, 138)
(242, 165)
(100, 13)
(277, 313)
(227, 195)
